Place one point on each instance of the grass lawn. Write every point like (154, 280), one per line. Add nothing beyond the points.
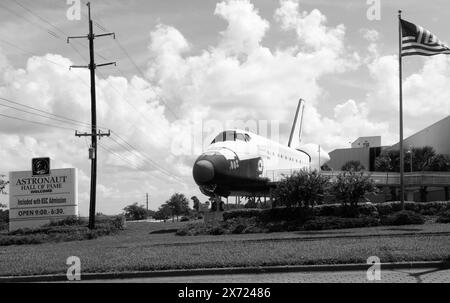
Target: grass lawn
(137, 249)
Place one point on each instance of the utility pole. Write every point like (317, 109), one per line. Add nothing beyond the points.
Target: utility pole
(94, 134)
(147, 204)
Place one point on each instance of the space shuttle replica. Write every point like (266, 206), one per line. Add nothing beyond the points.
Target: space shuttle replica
(241, 163)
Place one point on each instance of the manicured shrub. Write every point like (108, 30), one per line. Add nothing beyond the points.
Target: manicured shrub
(321, 223)
(69, 221)
(339, 210)
(302, 188)
(425, 208)
(70, 229)
(444, 217)
(286, 214)
(403, 217)
(239, 229)
(217, 230)
(350, 187)
(241, 213)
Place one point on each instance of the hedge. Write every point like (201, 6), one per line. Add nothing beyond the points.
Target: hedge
(337, 210)
(320, 223)
(404, 217)
(444, 217)
(70, 229)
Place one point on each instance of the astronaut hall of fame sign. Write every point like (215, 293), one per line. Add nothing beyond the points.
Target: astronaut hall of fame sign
(41, 195)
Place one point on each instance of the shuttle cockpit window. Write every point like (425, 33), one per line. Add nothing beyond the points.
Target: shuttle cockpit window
(240, 137)
(231, 136)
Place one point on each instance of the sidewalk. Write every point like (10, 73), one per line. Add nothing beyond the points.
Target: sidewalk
(422, 275)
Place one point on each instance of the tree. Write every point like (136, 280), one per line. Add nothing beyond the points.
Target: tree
(178, 204)
(196, 202)
(351, 187)
(135, 212)
(439, 163)
(325, 167)
(3, 185)
(353, 165)
(302, 188)
(163, 212)
(423, 159)
(384, 162)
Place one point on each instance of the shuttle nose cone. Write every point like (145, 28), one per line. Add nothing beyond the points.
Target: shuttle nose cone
(203, 171)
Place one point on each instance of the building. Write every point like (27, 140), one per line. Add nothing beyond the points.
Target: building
(435, 135)
(373, 141)
(367, 149)
(364, 150)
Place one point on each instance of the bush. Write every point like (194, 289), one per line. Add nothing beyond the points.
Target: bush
(69, 229)
(403, 217)
(321, 223)
(69, 221)
(286, 214)
(241, 213)
(444, 217)
(184, 219)
(217, 230)
(302, 188)
(340, 210)
(425, 208)
(351, 187)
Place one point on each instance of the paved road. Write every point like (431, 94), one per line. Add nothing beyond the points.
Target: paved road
(422, 275)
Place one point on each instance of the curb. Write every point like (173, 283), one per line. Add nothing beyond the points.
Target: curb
(223, 271)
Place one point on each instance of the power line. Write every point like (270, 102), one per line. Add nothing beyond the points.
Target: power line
(36, 114)
(35, 122)
(51, 33)
(142, 156)
(139, 70)
(69, 120)
(29, 10)
(126, 160)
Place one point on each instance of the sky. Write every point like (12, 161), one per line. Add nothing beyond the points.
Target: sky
(186, 69)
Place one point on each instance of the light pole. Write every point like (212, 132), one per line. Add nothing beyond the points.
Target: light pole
(410, 158)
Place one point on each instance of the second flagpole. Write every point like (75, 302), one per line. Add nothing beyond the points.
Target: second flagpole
(402, 185)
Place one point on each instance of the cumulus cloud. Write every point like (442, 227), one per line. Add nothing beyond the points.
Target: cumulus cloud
(246, 28)
(240, 78)
(310, 27)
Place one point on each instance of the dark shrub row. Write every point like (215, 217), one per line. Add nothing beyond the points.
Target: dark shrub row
(338, 210)
(70, 229)
(320, 223)
(242, 213)
(403, 217)
(241, 225)
(444, 217)
(425, 208)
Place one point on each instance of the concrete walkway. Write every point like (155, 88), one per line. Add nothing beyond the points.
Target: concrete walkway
(420, 275)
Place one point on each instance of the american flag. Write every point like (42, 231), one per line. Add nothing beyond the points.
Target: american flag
(418, 41)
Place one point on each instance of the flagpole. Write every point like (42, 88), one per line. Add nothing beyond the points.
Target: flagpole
(402, 185)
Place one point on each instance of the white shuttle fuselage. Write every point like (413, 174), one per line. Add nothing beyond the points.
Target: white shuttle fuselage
(238, 162)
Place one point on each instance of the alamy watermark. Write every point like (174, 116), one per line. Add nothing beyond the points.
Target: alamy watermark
(374, 271)
(194, 137)
(374, 10)
(74, 270)
(73, 13)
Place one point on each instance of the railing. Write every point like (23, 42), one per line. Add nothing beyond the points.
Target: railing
(380, 178)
